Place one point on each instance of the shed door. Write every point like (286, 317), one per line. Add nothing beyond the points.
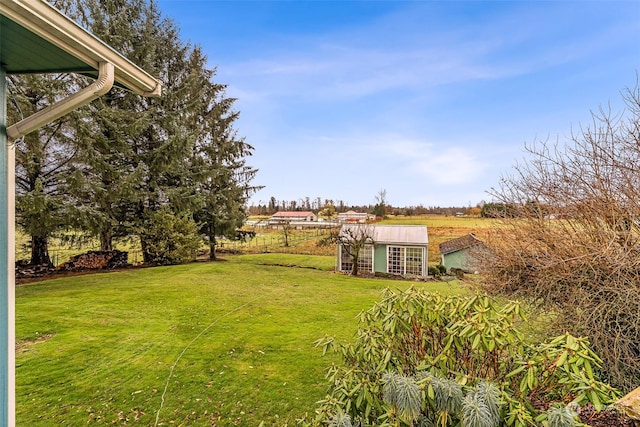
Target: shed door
(406, 260)
(395, 260)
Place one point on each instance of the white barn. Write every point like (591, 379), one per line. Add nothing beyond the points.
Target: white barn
(352, 216)
(292, 216)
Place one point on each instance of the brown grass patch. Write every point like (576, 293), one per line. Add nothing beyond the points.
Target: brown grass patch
(25, 345)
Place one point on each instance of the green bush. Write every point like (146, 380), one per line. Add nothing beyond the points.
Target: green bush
(434, 271)
(464, 358)
(169, 239)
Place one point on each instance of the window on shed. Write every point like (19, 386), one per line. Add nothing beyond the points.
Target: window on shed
(405, 260)
(395, 257)
(365, 260)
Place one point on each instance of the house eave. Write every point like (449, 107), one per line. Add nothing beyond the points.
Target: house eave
(43, 20)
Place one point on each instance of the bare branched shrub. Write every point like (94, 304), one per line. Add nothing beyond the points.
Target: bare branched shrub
(353, 240)
(572, 237)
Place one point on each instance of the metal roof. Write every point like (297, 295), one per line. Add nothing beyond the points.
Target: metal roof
(292, 214)
(353, 213)
(458, 244)
(393, 234)
(37, 38)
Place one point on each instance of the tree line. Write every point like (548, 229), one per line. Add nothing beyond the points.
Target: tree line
(127, 165)
(319, 204)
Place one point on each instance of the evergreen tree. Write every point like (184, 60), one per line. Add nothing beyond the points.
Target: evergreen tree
(111, 173)
(219, 164)
(137, 150)
(179, 150)
(124, 157)
(168, 142)
(43, 161)
(46, 159)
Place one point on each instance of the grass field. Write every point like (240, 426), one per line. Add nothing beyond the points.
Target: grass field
(223, 343)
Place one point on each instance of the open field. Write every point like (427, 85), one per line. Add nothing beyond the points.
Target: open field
(223, 343)
(442, 221)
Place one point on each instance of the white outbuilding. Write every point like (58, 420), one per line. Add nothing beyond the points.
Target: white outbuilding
(390, 249)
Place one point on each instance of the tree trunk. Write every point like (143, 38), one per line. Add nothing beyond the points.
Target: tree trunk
(146, 257)
(285, 231)
(106, 240)
(212, 242)
(144, 247)
(40, 251)
(212, 250)
(354, 268)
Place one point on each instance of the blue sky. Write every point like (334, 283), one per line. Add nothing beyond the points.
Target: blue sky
(432, 101)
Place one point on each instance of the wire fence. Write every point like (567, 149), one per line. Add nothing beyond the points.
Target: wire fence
(264, 241)
(276, 241)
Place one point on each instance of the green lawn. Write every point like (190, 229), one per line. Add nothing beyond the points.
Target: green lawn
(224, 343)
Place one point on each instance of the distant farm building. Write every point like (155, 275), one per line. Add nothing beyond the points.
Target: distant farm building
(465, 253)
(394, 249)
(354, 217)
(292, 216)
(295, 219)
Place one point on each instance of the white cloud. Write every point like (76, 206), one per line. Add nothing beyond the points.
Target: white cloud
(347, 72)
(442, 164)
(431, 128)
(451, 166)
(405, 160)
(380, 57)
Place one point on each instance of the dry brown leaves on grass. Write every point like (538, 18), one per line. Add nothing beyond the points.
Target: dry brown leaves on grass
(607, 418)
(25, 345)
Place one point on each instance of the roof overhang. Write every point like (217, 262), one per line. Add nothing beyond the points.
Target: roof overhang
(37, 38)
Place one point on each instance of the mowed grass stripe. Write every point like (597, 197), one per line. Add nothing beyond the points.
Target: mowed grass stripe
(99, 348)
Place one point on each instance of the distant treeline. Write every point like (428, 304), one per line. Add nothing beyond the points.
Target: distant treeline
(318, 204)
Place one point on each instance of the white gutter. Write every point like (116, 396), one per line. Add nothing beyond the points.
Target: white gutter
(95, 90)
(44, 20)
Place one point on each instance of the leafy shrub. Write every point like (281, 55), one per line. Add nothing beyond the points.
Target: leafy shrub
(434, 271)
(466, 361)
(402, 395)
(169, 239)
(561, 416)
(442, 268)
